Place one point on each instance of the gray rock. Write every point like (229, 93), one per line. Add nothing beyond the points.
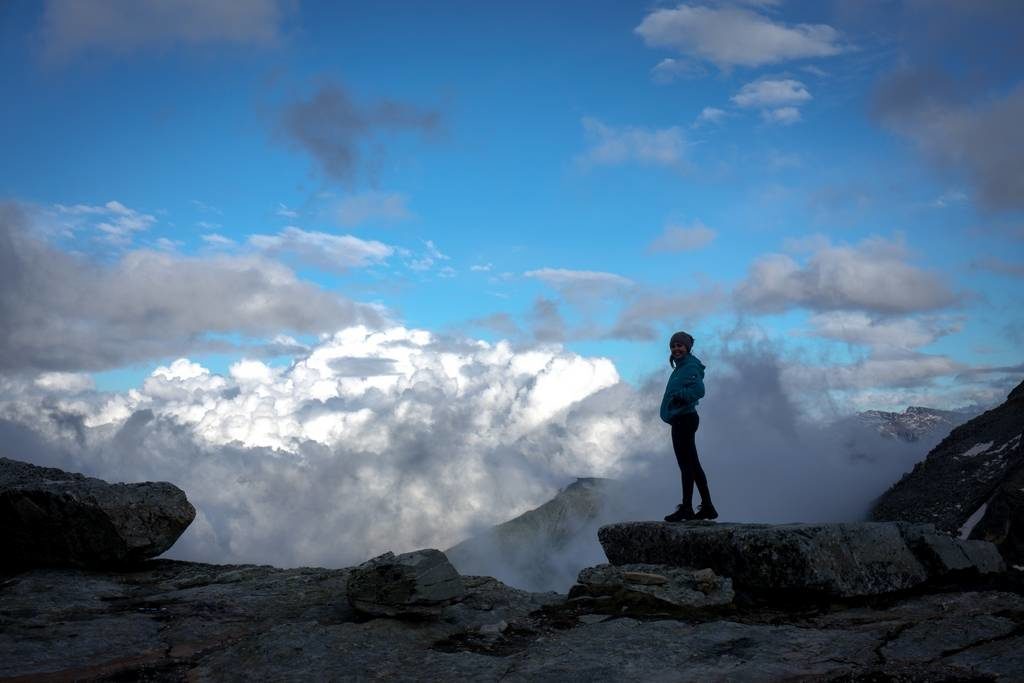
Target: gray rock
(417, 584)
(943, 554)
(658, 588)
(173, 621)
(840, 560)
(54, 518)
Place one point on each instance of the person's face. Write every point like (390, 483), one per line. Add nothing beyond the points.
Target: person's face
(678, 349)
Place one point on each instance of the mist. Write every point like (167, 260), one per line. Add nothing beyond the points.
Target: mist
(435, 450)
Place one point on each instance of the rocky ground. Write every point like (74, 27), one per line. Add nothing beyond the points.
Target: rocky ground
(172, 621)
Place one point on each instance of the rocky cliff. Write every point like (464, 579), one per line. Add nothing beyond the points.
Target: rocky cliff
(970, 483)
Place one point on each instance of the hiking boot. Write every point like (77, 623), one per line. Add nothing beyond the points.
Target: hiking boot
(682, 513)
(706, 511)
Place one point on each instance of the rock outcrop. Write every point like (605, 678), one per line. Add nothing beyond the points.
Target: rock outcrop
(540, 548)
(419, 584)
(828, 560)
(54, 518)
(966, 484)
(650, 589)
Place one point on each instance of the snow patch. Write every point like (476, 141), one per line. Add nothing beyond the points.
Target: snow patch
(973, 520)
(977, 449)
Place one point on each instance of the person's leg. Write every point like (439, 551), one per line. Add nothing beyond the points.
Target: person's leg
(683, 445)
(693, 466)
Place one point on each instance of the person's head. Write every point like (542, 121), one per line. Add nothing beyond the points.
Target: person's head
(678, 346)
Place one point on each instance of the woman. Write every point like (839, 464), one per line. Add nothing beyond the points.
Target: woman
(679, 409)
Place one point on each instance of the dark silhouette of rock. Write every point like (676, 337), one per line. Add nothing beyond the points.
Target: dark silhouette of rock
(54, 518)
(974, 475)
(417, 584)
(837, 560)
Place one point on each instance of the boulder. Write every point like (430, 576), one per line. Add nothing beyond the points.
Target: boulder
(419, 584)
(833, 560)
(54, 518)
(646, 587)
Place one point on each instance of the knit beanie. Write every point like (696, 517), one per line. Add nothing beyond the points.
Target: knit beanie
(682, 337)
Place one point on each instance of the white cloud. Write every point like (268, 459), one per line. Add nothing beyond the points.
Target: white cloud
(859, 328)
(677, 238)
(873, 276)
(395, 440)
(730, 36)
(218, 240)
(70, 28)
(610, 146)
(878, 371)
(559, 277)
(284, 212)
(369, 206)
(668, 70)
(782, 116)
(71, 313)
(772, 93)
(710, 115)
(337, 253)
(117, 223)
(428, 259)
(482, 268)
(66, 382)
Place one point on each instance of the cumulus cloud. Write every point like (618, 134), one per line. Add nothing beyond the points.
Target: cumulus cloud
(387, 207)
(854, 327)
(677, 238)
(777, 99)
(611, 146)
(872, 276)
(337, 253)
(978, 139)
(772, 93)
(70, 28)
(63, 312)
(334, 129)
(732, 36)
(396, 439)
(649, 313)
(880, 370)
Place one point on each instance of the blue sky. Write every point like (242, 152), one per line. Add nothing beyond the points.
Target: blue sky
(842, 181)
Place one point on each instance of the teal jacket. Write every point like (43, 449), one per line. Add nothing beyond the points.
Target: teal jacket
(685, 389)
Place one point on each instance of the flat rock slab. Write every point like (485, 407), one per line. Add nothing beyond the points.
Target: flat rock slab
(417, 584)
(53, 518)
(652, 587)
(839, 560)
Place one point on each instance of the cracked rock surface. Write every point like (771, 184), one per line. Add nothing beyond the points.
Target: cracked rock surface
(176, 621)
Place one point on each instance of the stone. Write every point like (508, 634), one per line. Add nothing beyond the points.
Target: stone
(165, 620)
(644, 578)
(416, 584)
(53, 518)
(943, 554)
(678, 589)
(837, 560)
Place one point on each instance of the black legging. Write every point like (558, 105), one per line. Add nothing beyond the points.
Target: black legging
(684, 433)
